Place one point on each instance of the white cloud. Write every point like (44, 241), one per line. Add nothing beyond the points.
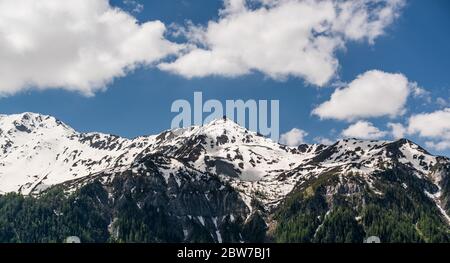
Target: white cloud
(434, 126)
(363, 130)
(233, 7)
(438, 146)
(293, 138)
(78, 45)
(324, 141)
(366, 19)
(134, 6)
(282, 38)
(418, 91)
(372, 94)
(398, 131)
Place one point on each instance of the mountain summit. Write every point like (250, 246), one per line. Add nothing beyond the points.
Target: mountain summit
(203, 180)
(38, 151)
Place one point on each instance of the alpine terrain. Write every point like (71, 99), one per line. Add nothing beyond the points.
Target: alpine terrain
(215, 183)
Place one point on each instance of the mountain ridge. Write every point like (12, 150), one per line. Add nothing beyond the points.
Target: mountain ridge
(219, 176)
(168, 141)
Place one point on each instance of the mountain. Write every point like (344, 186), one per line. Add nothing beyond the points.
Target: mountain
(214, 183)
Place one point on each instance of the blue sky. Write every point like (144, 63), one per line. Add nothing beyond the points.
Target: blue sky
(416, 45)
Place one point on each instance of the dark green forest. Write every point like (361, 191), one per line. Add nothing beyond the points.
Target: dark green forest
(397, 216)
(305, 216)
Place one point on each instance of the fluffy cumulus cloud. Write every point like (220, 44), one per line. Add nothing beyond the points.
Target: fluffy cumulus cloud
(372, 94)
(398, 131)
(293, 138)
(281, 38)
(78, 45)
(434, 126)
(363, 130)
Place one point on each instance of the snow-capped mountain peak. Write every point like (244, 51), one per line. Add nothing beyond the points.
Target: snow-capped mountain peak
(37, 151)
(29, 122)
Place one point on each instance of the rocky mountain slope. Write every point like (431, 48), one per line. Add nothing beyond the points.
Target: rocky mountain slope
(215, 183)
